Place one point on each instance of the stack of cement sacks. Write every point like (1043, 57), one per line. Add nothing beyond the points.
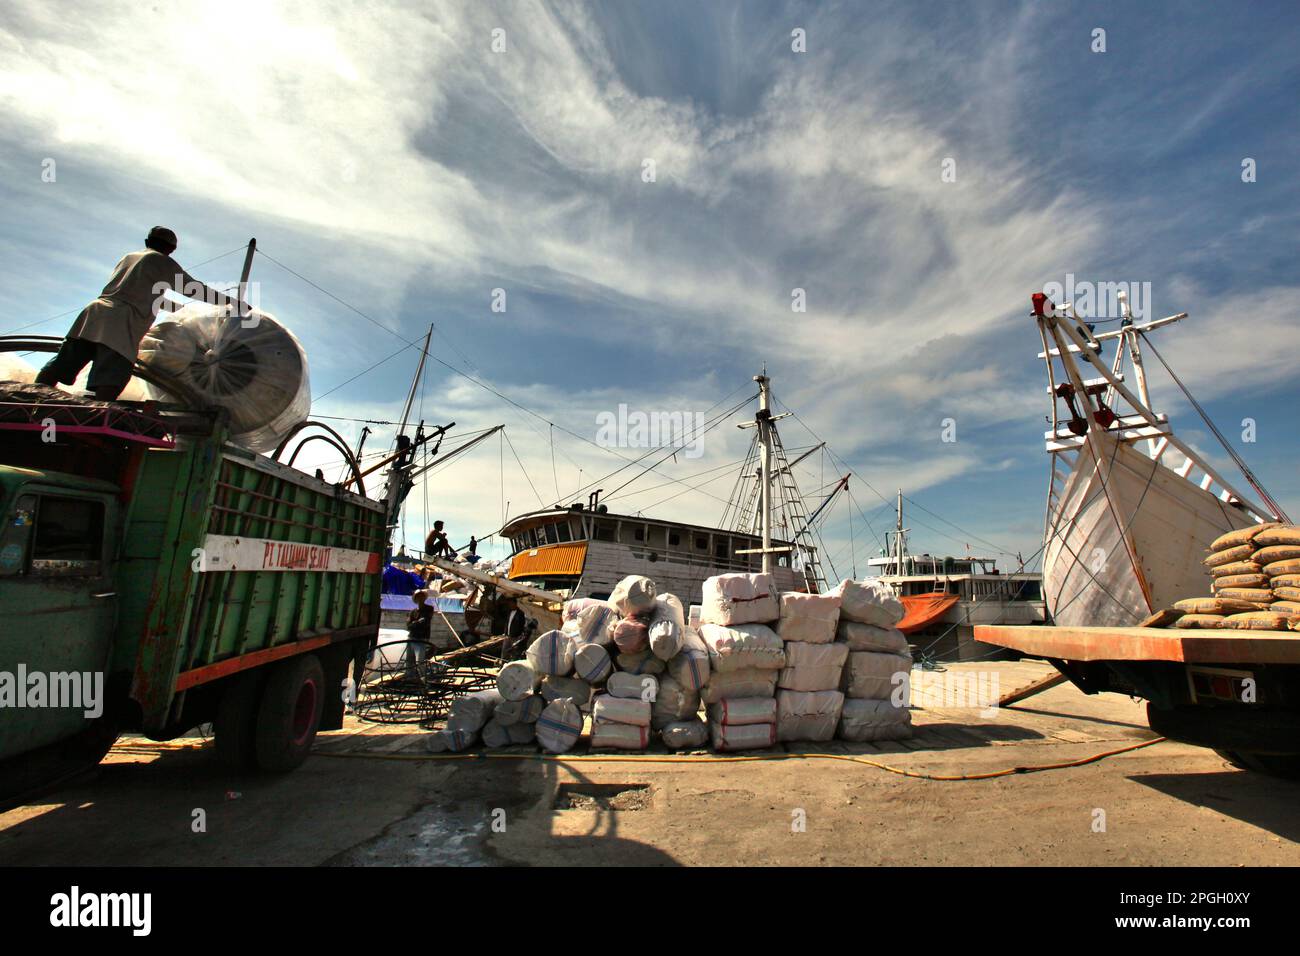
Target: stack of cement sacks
(808, 700)
(745, 658)
(875, 675)
(1255, 575)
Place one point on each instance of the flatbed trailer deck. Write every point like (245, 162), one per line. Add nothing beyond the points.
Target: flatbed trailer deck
(1234, 691)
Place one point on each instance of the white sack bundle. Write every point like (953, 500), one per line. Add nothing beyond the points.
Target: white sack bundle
(739, 599)
(559, 726)
(744, 710)
(673, 703)
(616, 736)
(253, 368)
(742, 736)
(872, 676)
(591, 662)
(871, 637)
(553, 688)
(635, 594)
(743, 683)
(810, 618)
(592, 623)
(552, 653)
(641, 662)
(622, 710)
(665, 639)
(472, 711)
(633, 686)
(523, 711)
(869, 601)
(812, 667)
(743, 647)
(807, 716)
(685, 734)
(690, 667)
(864, 720)
(517, 680)
(440, 741)
(497, 734)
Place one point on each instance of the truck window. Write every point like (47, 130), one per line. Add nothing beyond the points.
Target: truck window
(69, 536)
(15, 534)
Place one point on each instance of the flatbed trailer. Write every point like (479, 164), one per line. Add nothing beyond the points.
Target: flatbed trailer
(1234, 691)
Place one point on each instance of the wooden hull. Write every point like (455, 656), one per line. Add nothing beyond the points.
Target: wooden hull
(1128, 536)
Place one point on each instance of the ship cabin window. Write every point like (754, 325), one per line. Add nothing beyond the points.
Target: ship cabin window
(639, 534)
(674, 539)
(701, 543)
(604, 531)
(721, 547)
(564, 531)
(658, 537)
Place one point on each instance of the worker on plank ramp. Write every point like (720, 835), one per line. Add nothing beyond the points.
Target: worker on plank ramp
(107, 333)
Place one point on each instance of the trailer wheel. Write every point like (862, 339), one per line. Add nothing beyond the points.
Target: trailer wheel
(1286, 766)
(235, 723)
(290, 713)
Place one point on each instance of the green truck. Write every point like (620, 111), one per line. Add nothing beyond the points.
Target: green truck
(155, 577)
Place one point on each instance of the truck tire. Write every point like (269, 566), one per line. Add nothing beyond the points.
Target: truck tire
(1285, 766)
(235, 723)
(289, 713)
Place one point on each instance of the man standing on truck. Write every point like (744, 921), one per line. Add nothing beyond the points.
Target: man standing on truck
(107, 333)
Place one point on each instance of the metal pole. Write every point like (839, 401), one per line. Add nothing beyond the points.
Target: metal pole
(243, 276)
(763, 421)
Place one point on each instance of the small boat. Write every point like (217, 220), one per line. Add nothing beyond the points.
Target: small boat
(1131, 508)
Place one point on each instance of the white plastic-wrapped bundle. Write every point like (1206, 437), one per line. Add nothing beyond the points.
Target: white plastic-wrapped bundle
(517, 680)
(523, 711)
(559, 726)
(739, 599)
(685, 734)
(872, 637)
(635, 686)
(553, 688)
(592, 622)
(254, 368)
(635, 594)
(472, 711)
(591, 663)
(810, 618)
(690, 667)
(666, 625)
(622, 710)
(552, 653)
(616, 736)
(863, 720)
(742, 736)
(743, 647)
(642, 662)
(869, 601)
(750, 682)
(807, 716)
(871, 676)
(744, 710)
(441, 741)
(672, 703)
(497, 734)
(812, 667)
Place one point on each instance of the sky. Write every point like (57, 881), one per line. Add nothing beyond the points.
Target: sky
(616, 204)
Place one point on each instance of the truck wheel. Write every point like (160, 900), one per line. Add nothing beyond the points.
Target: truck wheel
(235, 723)
(1286, 766)
(1233, 758)
(290, 713)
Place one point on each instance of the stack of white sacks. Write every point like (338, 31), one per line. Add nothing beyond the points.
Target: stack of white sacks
(768, 667)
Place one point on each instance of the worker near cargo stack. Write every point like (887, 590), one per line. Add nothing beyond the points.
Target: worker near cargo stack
(107, 333)
(437, 545)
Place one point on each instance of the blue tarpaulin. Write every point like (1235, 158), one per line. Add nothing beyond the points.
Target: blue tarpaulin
(397, 581)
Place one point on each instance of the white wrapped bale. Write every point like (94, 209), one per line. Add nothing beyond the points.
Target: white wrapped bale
(685, 734)
(559, 726)
(553, 688)
(552, 653)
(871, 637)
(690, 667)
(622, 710)
(743, 647)
(632, 686)
(253, 368)
(812, 667)
(497, 734)
(744, 710)
(673, 703)
(631, 635)
(524, 711)
(807, 716)
(635, 594)
(642, 662)
(871, 676)
(732, 599)
(866, 720)
(808, 618)
(616, 736)
(592, 623)
(665, 639)
(472, 711)
(591, 663)
(742, 736)
(869, 601)
(693, 616)
(452, 739)
(742, 683)
(517, 680)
